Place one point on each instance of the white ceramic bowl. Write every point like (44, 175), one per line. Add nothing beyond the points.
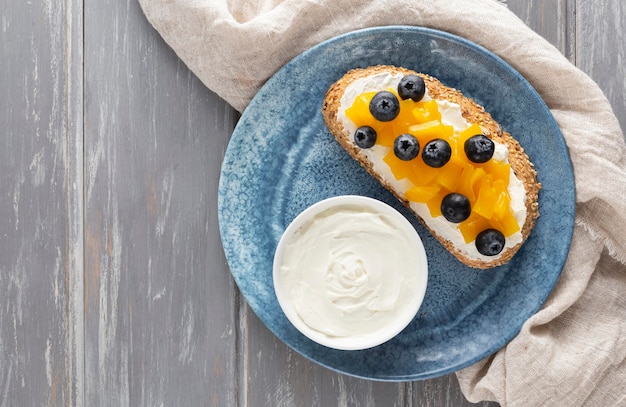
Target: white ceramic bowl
(350, 272)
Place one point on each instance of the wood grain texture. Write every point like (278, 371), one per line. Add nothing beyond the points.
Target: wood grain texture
(159, 301)
(553, 20)
(601, 49)
(275, 375)
(114, 290)
(40, 180)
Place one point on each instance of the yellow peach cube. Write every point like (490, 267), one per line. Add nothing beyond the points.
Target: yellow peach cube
(426, 130)
(471, 131)
(449, 175)
(405, 117)
(422, 193)
(426, 111)
(472, 226)
(487, 196)
(502, 206)
(385, 134)
(359, 112)
(465, 186)
(498, 169)
(400, 169)
(507, 225)
(422, 174)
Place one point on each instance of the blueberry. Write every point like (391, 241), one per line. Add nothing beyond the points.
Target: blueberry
(406, 147)
(490, 242)
(479, 149)
(365, 137)
(412, 87)
(455, 207)
(384, 106)
(436, 153)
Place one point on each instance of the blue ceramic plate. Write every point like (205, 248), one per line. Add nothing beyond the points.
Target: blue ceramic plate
(282, 159)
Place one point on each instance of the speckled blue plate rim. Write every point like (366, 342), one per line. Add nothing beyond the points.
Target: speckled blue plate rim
(247, 251)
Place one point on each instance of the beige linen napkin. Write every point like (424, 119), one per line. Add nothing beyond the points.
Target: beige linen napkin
(573, 351)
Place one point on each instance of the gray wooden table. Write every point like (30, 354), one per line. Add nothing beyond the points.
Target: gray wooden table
(114, 289)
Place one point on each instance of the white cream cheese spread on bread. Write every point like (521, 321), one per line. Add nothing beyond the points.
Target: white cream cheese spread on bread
(451, 115)
(442, 155)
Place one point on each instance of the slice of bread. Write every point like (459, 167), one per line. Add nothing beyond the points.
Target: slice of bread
(522, 187)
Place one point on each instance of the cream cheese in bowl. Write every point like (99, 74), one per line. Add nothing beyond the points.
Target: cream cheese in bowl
(350, 272)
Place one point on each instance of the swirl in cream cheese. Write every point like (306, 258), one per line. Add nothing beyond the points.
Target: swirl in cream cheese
(450, 115)
(350, 270)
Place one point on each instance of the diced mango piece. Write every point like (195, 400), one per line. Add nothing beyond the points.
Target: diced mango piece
(385, 133)
(405, 117)
(423, 174)
(502, 206)
(476, 180)
(422, 193)
(434, 204)
(449, 176)
(472, 226)
(456, 158)
(465, 186)
(426, 111)
(400, 169)
(427, 130)
(486, 198)
(447, 132)
(498, 169)
(485, 185)
(472, 130)
(359, 112)
(507, 225)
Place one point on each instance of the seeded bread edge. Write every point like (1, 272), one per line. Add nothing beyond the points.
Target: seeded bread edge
(473, 113)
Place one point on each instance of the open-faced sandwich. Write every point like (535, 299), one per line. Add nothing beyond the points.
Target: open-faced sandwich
(468, 181)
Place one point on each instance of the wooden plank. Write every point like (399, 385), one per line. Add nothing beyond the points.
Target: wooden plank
(274, 375)
(159, 300)
(590, 36)
(40, 203)
(553, 20)
(601, 49)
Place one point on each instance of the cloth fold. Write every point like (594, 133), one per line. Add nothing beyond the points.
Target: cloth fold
(573, 351)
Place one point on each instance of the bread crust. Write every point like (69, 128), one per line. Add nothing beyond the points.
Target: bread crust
(473, 113)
